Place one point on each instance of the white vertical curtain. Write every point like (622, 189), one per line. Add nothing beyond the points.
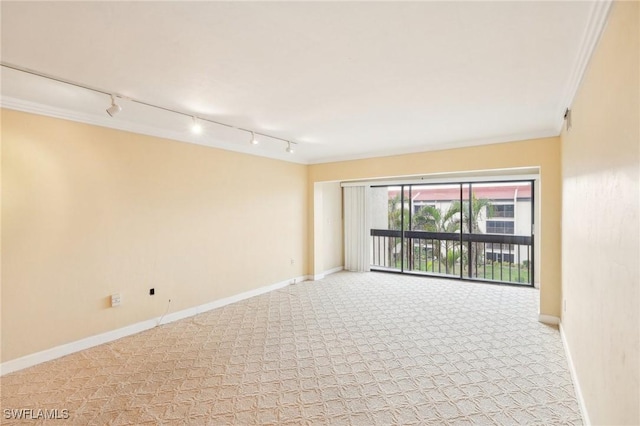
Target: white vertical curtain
(356, 229)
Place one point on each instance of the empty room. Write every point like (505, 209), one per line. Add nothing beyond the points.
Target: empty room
(358, 213)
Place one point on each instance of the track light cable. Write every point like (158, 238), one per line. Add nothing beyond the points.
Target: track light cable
(140, 102)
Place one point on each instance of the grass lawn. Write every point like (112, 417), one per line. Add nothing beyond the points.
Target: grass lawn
(496, 272)
(493, 271)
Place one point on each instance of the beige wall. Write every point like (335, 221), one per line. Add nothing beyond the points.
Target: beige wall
(333, 227)
(328, 227)
(542, 153)
(89, 211)
(600, 225)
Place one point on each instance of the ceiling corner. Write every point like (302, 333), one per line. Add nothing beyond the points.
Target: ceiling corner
(595, 26)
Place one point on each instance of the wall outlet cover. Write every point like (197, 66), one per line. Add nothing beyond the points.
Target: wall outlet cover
(116, 300)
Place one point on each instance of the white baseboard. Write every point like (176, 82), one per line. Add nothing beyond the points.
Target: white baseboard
(79, 345)
(325, 273)
(548, 319)
(109, 336)
(574, 377)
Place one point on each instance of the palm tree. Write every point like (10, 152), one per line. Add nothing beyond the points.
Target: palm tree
(433, 219)
(398, 220)
(472, 225)
(477, 204)
(396, 214)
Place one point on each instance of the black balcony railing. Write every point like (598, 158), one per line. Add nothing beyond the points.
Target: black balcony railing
(487, 257)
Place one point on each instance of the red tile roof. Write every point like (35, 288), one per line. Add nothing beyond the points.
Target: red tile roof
(439, 193)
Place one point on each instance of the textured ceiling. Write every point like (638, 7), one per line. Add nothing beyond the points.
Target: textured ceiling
(342, 79)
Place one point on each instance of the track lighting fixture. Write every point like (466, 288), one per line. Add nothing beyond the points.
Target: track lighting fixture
(114, 108)
(196, 127)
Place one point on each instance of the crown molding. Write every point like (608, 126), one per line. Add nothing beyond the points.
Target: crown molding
(595, 26)
(127, 126)
(467, 143)
(17, 104)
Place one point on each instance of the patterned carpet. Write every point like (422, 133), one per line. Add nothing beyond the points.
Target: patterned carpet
(361, 349)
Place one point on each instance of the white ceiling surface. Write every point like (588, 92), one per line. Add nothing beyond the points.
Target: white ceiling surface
(343, 79)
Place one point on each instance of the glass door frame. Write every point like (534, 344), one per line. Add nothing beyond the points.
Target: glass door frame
(469, 238)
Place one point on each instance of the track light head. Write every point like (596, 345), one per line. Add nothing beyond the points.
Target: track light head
(254, 141)
(114, 109)
(289, 149)
(196, 127)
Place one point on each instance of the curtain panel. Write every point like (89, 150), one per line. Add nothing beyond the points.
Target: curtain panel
(356, 229)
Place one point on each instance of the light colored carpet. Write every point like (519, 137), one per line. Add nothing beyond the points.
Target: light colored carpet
(360, 349)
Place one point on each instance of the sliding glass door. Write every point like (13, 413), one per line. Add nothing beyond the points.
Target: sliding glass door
(479, 231)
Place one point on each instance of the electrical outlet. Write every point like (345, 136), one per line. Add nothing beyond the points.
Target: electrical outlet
(116, 300)
(293, 261)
